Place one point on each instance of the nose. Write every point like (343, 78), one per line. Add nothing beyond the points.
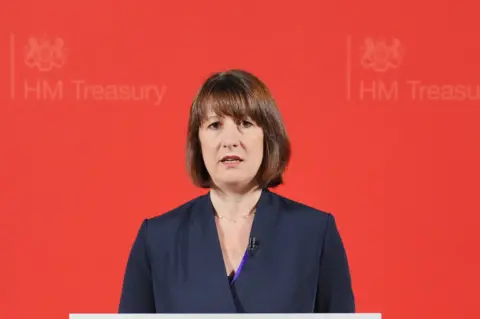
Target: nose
(230, 135)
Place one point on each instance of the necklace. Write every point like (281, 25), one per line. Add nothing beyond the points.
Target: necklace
(234, 221)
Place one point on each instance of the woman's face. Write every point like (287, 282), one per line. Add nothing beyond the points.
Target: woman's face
(232, 151)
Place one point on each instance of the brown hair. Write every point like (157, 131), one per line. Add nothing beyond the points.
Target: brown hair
(239, 94)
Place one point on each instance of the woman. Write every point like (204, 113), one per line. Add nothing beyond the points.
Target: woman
(240, 247)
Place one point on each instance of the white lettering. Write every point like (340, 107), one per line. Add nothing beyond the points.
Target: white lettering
(35, 89)
(113, 92)
(435, 92)
(43, 90)
(380, 91)
(55, 93)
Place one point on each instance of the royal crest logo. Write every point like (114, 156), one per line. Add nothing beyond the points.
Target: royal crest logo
(45, 54)
(381, 55)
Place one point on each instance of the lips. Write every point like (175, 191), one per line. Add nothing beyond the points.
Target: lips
(231, 159)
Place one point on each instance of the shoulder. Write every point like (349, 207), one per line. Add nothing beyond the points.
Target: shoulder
(300, 213)
(299, 209)
(305, 224)
(174, 218)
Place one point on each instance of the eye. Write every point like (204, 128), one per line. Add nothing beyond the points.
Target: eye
(246, 123)
(214, 125)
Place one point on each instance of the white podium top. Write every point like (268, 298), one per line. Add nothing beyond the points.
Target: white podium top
(229, 316)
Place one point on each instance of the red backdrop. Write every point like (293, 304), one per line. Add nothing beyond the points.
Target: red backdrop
(375, 94)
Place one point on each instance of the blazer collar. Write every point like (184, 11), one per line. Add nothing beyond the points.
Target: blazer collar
(254, 276)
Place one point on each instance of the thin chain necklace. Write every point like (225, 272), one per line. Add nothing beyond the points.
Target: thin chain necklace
(234, 221)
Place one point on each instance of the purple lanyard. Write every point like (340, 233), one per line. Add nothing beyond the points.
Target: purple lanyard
(239, 268)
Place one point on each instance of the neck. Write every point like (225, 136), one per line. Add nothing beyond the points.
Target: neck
(234, 204)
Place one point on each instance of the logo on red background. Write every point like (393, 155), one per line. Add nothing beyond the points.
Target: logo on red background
(381, 55)
(45, 54)
(375, 72)
(41, 77)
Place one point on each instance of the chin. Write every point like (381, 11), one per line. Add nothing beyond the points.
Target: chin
(231, 182)
(234, 182)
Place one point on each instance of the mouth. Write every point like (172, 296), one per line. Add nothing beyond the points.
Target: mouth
(231, 159)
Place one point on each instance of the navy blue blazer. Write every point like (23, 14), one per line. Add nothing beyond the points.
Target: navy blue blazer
(299, 266)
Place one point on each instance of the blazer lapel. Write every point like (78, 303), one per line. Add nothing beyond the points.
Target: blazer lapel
(209, 289)
(255, 277)
(211, 284)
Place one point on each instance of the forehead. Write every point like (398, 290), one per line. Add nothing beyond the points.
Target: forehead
(222, 109)
(229, 97)
(212, 113)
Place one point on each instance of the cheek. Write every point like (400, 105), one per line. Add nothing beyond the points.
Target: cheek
(257, 144)
(209, 154)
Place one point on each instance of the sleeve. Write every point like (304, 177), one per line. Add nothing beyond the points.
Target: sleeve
(334, 291)
(137, 290)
